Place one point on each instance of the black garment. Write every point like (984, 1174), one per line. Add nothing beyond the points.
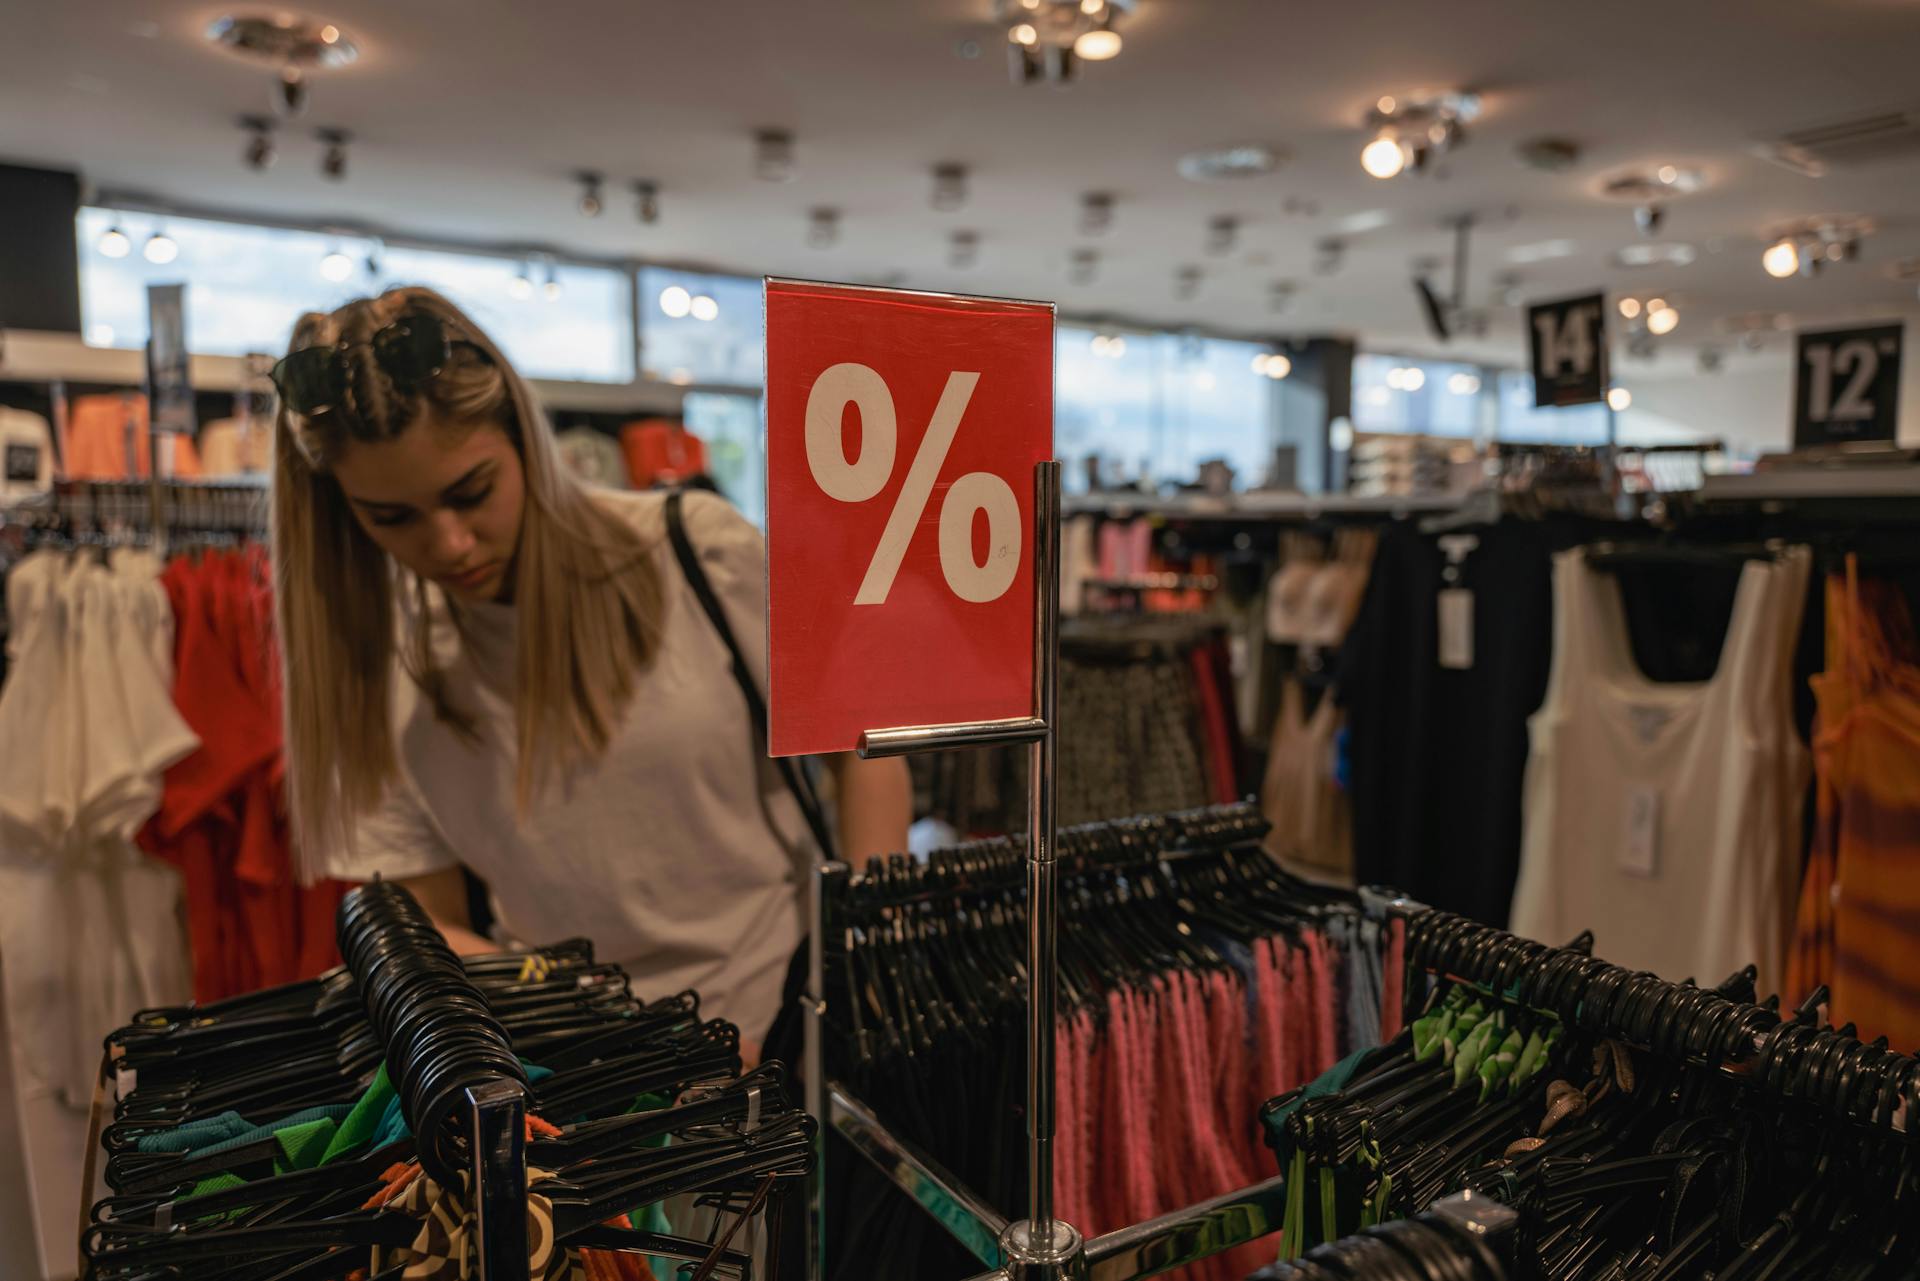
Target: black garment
(1437, 755)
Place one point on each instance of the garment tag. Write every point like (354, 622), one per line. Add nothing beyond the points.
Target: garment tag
(1639, 849)
(1456, 628)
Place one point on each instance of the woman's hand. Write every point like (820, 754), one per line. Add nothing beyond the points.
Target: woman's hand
(876, 805)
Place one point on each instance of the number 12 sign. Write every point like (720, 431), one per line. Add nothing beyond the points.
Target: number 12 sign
(902, 434)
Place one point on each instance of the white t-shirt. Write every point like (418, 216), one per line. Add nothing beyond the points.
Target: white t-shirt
(680, 854)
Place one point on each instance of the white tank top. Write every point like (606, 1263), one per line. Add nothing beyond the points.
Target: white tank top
(1666, 817)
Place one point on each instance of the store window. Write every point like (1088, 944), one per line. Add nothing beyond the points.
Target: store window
(1420, 397)
(731, 426)
(1521, 422)
(247, 286)
(1158, 405)
(701, 330)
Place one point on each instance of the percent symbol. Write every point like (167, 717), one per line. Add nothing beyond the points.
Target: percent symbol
(858, 480)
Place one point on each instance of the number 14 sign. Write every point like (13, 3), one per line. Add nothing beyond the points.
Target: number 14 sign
(902, 434)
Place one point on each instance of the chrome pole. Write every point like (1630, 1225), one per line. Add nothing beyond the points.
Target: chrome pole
(1042, 872)
(812, 1054)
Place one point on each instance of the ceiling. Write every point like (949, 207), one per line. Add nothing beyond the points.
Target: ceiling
(470, 115)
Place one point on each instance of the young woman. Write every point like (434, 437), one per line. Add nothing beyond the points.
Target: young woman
(490, 665)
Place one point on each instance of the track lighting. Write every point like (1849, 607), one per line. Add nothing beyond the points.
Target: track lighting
(1630, 308)
(1186, 283)
(703, 307)
(160, 249)
(823, 228)
(1408, 132)
(675, 302)
(949, 187)
(1329, 255)
(963, 250)
(1047, 39)
(376, 261)
(290, 92)
(773, 155)
(1273, 365)
(646, 201)
(1083, 266)
(593, 200)
(336, 267)
(520, 288)
(1619, 400)
(1807, 246)
(550, 289)
(1464, 384)
(1222, 234)
(1662, 318)
(114, 243)
(1109, 346)
(1097, 45)
(260, 152)
(333, 157)
(1096, 213)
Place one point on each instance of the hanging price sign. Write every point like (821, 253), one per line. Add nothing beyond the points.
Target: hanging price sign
(1847, 386)
(902, 434)
(1569, 341)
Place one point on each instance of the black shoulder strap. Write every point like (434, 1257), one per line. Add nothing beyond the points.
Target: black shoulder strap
(792, 771)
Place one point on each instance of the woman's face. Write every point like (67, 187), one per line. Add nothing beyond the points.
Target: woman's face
(445, 499)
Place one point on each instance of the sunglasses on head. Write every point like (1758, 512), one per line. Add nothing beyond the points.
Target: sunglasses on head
(411, 350)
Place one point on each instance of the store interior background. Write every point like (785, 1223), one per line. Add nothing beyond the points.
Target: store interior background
(468, 125)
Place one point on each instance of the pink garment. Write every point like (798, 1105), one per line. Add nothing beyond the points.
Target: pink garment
(1393, 980)
(1144, 1091)
(1273, 1072)
(1325, 997)
(1090, 1049)
(1069, 1102)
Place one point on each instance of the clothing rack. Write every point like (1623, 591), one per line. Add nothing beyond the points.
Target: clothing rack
(382, 932)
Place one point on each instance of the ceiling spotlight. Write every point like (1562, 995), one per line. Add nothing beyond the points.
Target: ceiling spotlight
(773, 155)
(550, 289)
(1507, 287)
(1329, 255)
(1463, 384)
(593, 199)
(1383, 157)
(675, 302)
(1260, 362)
(703, 307)
(160, 249)
(1648, 218)
(520, 288)
(1710, 359)
(336, 267)
(1116, 347)
(260, 153)
(1097, 45)
(1619, 400)
(292, 46)
(333, 157)
(1662, 320)
(1023, 34)
(823, 227)
(1083, 266)
(949, 187)
(646, 200)
(113, 243)
(1280, 294)
(963, 250)
(1397, 378)
(290, 92)
(1186, 283)
(1092, 8)
(1098, 344)
(1630, 308)
(1273, 365)
(1413, 378)
(1222, 233)
(1096, 212)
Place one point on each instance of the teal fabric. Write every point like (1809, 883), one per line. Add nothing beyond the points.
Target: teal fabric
(230, 1130)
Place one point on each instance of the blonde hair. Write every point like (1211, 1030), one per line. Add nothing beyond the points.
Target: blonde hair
(586, 591)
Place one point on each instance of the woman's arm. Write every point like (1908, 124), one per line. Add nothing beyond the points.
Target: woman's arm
(876, 805)
(444, 895)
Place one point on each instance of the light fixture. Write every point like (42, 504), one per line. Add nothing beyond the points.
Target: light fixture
(1662, 320)
(1096, 212)
(703, 307)
(1507, 289)
(1116, 347)
(1329, 255)
(1383, 158)
(291, 46)
(963, 249)
(1092, 8)
(949, 187)
(1630, 308)
(1397, 378)
(675, 302)
(1097, 45)
(1409, 132)
(1186, 283)
(1222, 234)
(773, 155)
(1272, 365)
(333, 154)
(1280, 295)
(1782, 259)
(593, 200)
(1463, 384)
(1024, 34)
(1413, 378)
(113, 243)
(336, 267)
(1083, 266)
(260, 153)
(823, 227)
(1619, 400)
(1099, 343)
(160, 249)
(520, 288)
(550, 289)
(646, 200)
(290, 92)
(1247, 160)
(100, 334)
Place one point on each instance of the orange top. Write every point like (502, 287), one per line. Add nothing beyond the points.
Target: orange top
(661, 451)
(97, 441)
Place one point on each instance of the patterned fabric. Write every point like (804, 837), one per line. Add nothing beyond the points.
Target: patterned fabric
(444, 1249)
(1858, 927)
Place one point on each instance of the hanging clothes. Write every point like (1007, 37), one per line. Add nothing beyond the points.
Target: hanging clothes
(1667, 816)
(1301, 795)
(236, 447)
(1858, 927)
(100, 431)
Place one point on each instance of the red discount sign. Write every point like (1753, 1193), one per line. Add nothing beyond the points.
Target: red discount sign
(902, 434)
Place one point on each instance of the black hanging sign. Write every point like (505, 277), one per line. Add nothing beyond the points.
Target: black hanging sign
(1847, 385)
(1569, 340)
(169, 382)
